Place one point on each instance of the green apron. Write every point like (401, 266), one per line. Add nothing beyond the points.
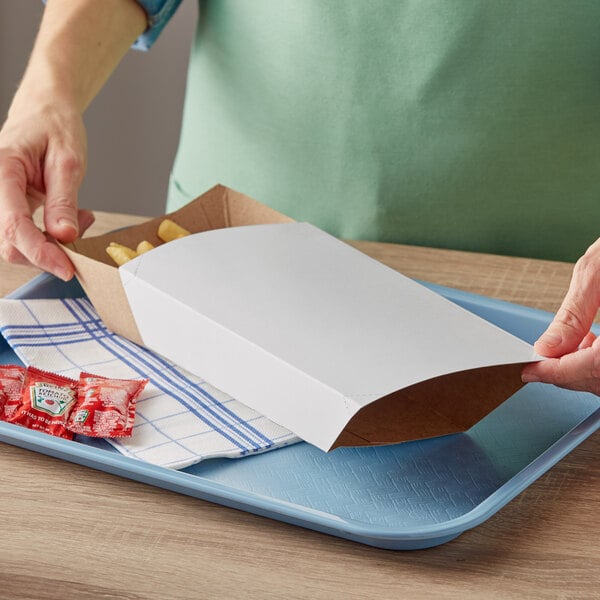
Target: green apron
(460, 124)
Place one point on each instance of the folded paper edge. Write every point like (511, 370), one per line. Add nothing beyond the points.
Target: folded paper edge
(442, 405)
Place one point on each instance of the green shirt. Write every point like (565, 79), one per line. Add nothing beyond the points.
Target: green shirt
(460, 124)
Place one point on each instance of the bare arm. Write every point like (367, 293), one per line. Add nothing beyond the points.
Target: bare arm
(43, 142)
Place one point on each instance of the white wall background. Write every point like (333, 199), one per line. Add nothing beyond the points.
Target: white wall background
(133, 125)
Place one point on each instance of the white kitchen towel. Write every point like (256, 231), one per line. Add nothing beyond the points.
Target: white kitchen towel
(180, 418)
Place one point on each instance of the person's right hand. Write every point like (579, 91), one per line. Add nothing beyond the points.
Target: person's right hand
(43, 149)
(42, 162)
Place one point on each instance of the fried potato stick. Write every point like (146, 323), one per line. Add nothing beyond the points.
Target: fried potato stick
(120, 254)
(143, 247)
(169, 230)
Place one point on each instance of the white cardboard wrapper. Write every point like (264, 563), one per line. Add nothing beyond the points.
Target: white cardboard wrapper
(319, 337)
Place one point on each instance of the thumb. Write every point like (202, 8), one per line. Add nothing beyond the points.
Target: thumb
(62, 177)
(576, 314)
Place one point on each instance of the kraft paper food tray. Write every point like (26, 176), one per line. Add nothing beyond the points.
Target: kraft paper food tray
(219, 207)
(405, 496)
(317, 336)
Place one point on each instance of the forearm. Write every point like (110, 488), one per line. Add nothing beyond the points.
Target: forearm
(79, 45)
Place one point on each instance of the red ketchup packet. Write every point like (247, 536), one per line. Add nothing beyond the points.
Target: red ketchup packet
(11, 382)
(46, 401)
(105, 407)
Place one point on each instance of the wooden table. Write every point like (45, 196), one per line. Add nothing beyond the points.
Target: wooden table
(72, 532)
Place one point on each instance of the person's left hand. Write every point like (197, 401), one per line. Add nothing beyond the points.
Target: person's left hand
(573, 351)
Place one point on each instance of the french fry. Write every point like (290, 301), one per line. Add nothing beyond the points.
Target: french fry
(120, 254)
(169, 230)
(144, 246)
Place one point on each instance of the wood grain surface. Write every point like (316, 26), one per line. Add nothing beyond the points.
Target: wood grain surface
(72, 532)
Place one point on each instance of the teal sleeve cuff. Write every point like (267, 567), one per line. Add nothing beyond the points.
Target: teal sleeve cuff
(159, 14)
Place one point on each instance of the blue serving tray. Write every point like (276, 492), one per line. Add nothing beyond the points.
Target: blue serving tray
(407, 496)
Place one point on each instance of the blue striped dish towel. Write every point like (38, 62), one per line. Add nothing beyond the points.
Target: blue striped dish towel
(180, 419)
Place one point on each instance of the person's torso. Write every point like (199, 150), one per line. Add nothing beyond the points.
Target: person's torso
(465, 124)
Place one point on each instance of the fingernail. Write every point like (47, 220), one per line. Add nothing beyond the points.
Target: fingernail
(67, 223)
(550, 339)
(529, 378)
(64, 274)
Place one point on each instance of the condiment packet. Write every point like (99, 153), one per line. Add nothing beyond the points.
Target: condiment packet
(11, 382)
(105, 407)
(45, 403)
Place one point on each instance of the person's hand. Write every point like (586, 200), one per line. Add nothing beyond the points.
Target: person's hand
(43, 149)
(42, 162)
(573, 350)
